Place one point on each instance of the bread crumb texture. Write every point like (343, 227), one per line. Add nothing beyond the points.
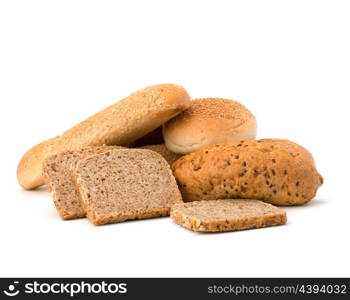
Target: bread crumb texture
(58, 178)
(273, 170)
(227, 215)
(121, 185)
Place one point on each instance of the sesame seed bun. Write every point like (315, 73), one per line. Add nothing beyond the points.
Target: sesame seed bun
(209, 121)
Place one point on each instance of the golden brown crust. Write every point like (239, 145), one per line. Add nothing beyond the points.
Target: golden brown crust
(209, 121)
(226, 215)
(119, 124)
(276, 171)
(113, 218)
(28, 171)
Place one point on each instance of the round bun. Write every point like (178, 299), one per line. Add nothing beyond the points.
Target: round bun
(209, 121)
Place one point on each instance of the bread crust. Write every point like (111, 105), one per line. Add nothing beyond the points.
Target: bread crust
(276, 171)
(119, 124)
(209, 121)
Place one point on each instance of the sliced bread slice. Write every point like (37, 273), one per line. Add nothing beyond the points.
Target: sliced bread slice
(125, 184)
(227, 215)
(57, 176)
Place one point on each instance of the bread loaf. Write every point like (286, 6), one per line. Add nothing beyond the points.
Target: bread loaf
(209, 121)
(276, 171)
(120, 185)
(226, 215)
(119, 124)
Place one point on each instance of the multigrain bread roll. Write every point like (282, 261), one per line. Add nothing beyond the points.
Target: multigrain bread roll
(209, 121)
(57, 174)
(227, 215)
(276, 171)
(120, 185)
(119, 124)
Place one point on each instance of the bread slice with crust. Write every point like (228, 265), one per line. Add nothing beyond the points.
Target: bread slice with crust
(227, 215)
(126, 184)
(57, 175)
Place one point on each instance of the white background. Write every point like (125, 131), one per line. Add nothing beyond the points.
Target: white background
(287, 61)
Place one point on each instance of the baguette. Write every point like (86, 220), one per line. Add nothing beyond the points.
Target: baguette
(119, 124)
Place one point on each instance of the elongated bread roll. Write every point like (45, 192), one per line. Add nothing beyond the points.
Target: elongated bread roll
(276, 171)
(119, 124)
